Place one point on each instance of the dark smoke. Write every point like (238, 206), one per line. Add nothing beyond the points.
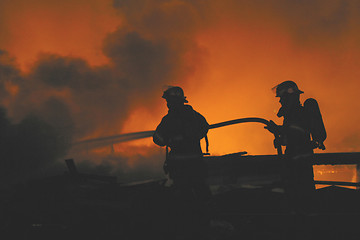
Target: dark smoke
(311, 23)
(127, 169)
(28, 149)
(69, 100)
(144, 64)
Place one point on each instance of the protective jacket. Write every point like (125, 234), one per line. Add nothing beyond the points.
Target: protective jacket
(182, 129)
(295, 132)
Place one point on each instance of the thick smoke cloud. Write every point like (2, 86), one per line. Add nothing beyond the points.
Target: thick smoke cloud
(141, 64)
(127, 168)
(28, 149)
(30, 146)
(90, 93)
(9, 75)
(76, 100)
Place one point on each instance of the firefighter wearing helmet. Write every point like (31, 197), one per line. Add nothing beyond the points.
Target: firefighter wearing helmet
(181, 130)
(302, 131)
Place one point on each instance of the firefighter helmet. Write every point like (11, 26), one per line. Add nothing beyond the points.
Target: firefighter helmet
(174, 93)
(288, 87)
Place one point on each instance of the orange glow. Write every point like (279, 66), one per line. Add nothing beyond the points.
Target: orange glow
(242, 67)
(72, 28)
(344, 173)
(236, 84)
(11, 88)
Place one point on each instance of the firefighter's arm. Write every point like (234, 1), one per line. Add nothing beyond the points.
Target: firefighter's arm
(160, 138)
(203, 125)
(278, 133)
(273, 128)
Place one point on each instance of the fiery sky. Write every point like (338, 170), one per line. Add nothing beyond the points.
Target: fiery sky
(98, 67)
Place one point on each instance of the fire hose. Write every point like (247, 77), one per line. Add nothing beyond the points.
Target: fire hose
(249, 120)
(145, 134)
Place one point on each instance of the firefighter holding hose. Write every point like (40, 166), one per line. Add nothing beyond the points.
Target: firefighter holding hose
(181, 130)
(302, 131)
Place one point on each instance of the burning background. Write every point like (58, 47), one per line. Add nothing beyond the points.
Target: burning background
(74, 70)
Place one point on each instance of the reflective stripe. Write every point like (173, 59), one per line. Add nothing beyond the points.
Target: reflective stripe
(297, 128)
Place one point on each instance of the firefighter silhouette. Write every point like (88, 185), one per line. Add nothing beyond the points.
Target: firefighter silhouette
(181, 130)
(302, 131)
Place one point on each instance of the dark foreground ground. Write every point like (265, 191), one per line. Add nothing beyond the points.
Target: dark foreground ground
(66, 208)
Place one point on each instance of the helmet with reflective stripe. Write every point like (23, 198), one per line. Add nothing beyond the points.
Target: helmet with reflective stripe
(287, 87)
(174, 93)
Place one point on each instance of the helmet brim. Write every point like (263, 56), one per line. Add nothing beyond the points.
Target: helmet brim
(173, 98)
(284, 92)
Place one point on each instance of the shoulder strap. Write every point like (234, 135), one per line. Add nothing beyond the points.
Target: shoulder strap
(207, 145)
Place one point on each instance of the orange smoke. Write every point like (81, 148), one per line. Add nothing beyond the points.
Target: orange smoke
(243, 63)
(71, 28)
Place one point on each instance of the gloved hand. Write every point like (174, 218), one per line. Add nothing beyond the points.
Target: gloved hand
(319, 145)
(273, 127)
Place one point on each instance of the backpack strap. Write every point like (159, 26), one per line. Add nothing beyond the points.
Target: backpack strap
(207, 145)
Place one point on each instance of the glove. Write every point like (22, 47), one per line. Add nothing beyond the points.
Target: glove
(319, 145)
(273, 127)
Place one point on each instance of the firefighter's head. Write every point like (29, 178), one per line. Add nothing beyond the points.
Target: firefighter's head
(174, 97)
(289, 93)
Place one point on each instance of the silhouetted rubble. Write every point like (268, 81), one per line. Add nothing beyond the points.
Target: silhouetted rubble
(64, 207)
